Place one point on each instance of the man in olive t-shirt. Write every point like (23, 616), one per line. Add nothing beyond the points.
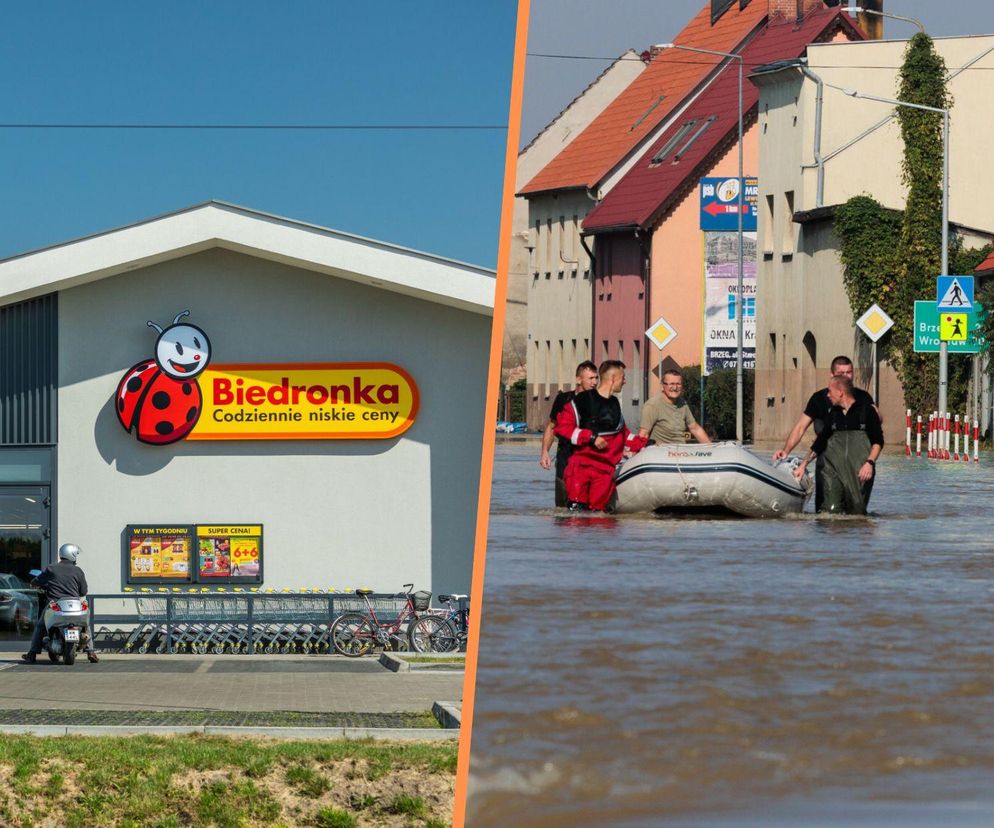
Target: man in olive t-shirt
(667, 418)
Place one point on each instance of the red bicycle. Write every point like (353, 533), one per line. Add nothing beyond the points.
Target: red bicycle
(355, 633)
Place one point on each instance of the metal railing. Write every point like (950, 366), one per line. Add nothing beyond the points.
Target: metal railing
(229, 622)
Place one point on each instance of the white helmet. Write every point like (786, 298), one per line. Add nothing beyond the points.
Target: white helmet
(69, 552)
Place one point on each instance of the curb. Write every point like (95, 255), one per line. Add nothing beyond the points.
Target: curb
(399, 664)
(392, 662)
(400, 734)
(449, 714)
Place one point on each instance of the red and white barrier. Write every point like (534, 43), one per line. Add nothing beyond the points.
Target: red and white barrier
(943, 431)
(956, 439)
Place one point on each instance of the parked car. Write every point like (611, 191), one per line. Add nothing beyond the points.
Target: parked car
(18, 603)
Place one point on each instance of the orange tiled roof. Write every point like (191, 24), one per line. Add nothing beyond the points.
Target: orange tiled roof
(986, 266)
(673, 74)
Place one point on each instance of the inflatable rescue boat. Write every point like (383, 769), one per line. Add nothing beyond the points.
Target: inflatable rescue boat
(709, 477)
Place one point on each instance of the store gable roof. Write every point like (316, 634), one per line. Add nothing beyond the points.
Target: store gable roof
(647, 190)
(218, 224)
(664, 85)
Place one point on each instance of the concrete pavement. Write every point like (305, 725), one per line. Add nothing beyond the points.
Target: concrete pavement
(316, 683)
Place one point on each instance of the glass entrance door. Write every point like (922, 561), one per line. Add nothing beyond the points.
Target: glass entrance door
(24, 545)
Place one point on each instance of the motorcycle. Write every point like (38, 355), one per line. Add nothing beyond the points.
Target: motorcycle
(66, 623)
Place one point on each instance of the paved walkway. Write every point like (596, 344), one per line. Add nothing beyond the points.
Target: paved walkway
(319, 683)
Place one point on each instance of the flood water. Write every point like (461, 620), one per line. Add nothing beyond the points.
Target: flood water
(726, 672)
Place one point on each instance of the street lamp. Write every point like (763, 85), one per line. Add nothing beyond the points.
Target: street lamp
(861, 10)
(740, 300)
(943, 347)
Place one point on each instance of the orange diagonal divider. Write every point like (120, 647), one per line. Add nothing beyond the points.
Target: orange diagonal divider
(490, 418)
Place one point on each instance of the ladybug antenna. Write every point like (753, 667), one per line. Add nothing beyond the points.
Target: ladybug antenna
(180, 315)
(151, 324)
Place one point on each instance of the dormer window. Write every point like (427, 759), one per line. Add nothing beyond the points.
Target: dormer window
(693, 138)
(672, 144)
(719, 7)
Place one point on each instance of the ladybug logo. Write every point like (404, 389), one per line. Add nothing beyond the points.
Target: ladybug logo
(159, 399)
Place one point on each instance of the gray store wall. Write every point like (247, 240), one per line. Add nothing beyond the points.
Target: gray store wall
(337, 513)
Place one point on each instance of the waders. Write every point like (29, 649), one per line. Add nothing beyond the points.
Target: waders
(841, 488)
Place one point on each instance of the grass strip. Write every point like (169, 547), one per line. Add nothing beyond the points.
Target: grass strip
(75, 781)
(217, 718)
(434, 659)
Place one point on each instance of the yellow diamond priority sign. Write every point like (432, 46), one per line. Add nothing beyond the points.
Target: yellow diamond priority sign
(875, 323)
(661, 333)
(952, 327)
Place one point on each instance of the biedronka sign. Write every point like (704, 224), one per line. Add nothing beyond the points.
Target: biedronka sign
(176, 396)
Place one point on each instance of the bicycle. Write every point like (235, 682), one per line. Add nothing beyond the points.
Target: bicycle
(355, 633)
(441, 631)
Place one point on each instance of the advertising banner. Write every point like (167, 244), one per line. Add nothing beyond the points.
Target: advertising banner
(720, 204)
(229, 552)
(159, 553)
(721, 273)
(310, 401)
(178, 394)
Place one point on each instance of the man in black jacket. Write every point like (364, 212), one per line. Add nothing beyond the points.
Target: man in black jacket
(60, 580)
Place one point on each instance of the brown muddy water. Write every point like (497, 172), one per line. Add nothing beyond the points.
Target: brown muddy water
(726, 672)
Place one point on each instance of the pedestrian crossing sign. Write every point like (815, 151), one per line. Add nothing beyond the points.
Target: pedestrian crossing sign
(954, 293)
(952, 327)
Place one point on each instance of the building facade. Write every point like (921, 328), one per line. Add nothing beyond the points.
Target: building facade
(584, 173)
(656, 206)
(531, 239)
(803, 315)
(307, 335)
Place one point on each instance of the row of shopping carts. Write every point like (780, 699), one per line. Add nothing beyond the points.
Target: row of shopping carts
(243, 623)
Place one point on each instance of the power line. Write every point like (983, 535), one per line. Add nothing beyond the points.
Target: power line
(337, 127)
(715, 62)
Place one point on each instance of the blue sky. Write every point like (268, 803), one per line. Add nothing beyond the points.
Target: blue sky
(250, 61)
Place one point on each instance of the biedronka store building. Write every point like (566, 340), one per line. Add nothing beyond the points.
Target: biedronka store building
(224, 397)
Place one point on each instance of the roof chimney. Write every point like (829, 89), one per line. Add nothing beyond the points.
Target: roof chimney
(794, 11)
(872, 24)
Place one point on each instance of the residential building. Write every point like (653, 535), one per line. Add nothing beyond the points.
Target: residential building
(803, 316)
(652, 256)
(560, 310)
(548, 143)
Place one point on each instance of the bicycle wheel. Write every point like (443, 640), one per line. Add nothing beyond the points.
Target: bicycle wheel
(353, 635)
(431, 634)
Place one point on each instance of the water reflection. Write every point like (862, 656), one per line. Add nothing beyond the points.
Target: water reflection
(636, 670)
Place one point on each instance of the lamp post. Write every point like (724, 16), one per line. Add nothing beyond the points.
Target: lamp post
(861, 10)
(943, 347)
(740, 299)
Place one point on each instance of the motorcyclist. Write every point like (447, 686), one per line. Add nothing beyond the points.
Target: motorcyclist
(63, 579)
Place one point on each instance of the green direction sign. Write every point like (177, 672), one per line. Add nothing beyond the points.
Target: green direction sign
(927, 330)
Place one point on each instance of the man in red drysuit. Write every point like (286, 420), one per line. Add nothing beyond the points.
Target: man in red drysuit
(593, 423)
